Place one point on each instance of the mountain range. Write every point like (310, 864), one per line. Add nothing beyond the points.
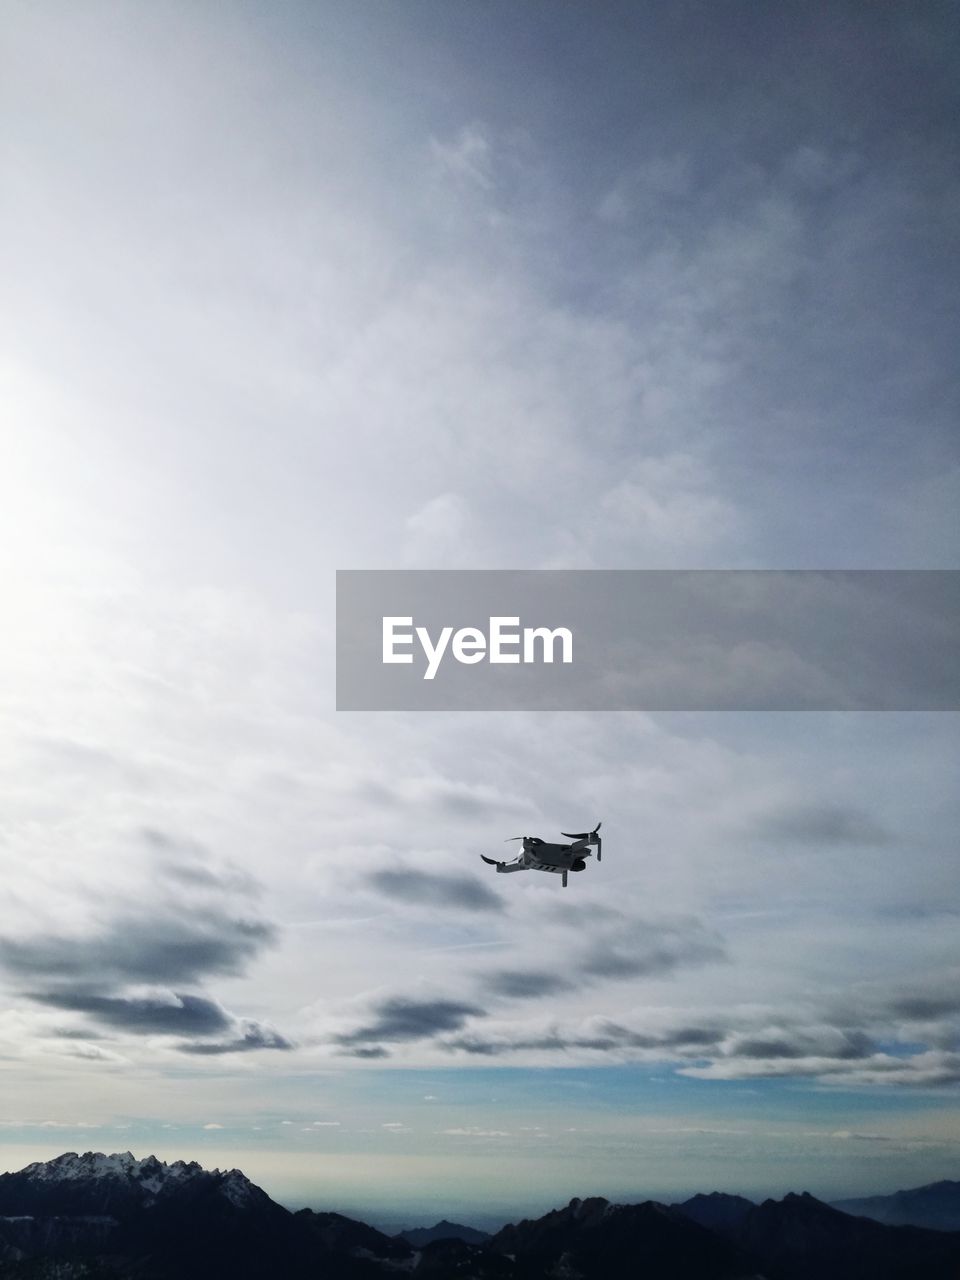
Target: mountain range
(444, 1230)
(937, 1206)
(114, 1217)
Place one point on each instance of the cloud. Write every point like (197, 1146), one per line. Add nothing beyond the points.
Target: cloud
(255, 1036)
(668, 501)
(170, 1013)
(931, 1068)
(821, 824)
(442, 796)
(460, 892)
(920, 1008)
(73, 1033)
(400, 1019)
(843, 1047)
(173, 1014)
(806, 1042)
(467, 157)
(93, 1053)
(608, 945)
(126, 973)
(436, 532)
(193, 865)
(598, 1035)
(634, 948)
(142, 948)
(525, 984)
(923, 1011)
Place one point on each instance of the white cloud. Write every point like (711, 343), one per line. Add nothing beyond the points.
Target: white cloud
(468, 156)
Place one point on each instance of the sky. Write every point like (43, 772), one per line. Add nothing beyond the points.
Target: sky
(305, 287)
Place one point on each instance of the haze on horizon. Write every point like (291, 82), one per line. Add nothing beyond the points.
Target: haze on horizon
(305, 287)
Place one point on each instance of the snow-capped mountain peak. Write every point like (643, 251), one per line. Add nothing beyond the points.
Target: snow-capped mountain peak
(92, 1164)
(144, 1180)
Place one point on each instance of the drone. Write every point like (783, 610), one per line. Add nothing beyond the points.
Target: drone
(538, 855)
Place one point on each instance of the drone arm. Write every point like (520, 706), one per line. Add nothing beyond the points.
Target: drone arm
(583, 838)
(504, 866)
(578, 843)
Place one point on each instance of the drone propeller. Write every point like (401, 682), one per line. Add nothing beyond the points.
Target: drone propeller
(510, 839)
(492, 861)
(581, 835)
(585, 835)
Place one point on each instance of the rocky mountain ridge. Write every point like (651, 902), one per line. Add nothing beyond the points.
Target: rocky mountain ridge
(116, 1217)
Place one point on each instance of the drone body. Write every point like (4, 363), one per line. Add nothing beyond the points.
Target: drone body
(538, 855)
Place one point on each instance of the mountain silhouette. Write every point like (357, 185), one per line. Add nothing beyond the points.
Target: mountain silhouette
(595, 1239)
(936, 1206)
(114, 1217)
(718, 1211)
(444, 1230)
(799, 1237)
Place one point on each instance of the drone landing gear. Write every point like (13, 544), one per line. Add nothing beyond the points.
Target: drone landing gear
(564, 879)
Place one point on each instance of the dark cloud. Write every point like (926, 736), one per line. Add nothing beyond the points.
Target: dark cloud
(146, 1015)
(827, 1042)
(759, 1048)
(374, 794)
(917, 1070)
(821, 824)
(489, 1048)
(73, 1033)
(397, 1019)
(366, 1051)
(192, 865)
(254, 1036)
(176, 1014)
(936, 999)
(178, 942)
(165, 843)
(649, 948)
(840, 1044)
(605, 1037)
(526, 984)
(162, 949)
(217, 879)
(625, 947)
(694, 1037)
(461, 892)
(460, 802)
(933, 1068)
(920, 1008)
